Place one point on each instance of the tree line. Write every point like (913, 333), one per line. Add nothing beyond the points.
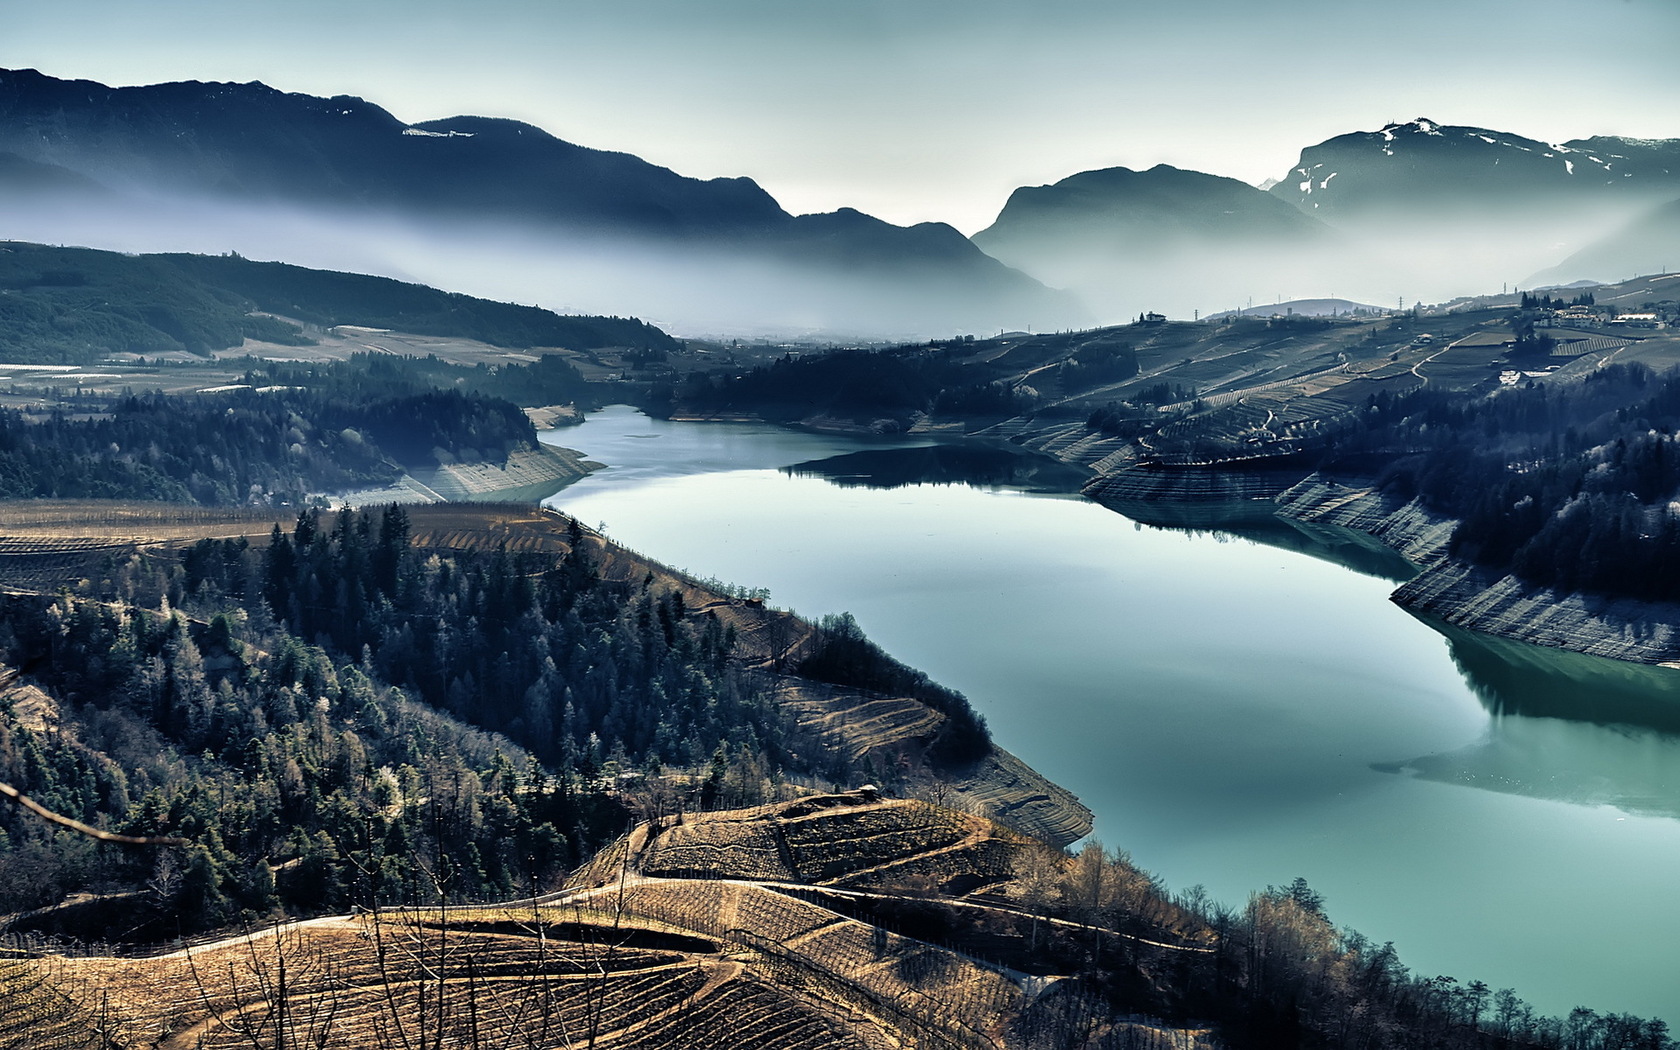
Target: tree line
(1566, 486)
(1275, 972)
(246, 446)
(857, 384)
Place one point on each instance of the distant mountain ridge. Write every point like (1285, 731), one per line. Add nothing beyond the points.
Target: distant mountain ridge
(612, 229)
(1413, 210)
(1162, 239)
(505, 210)
(1110, 207)
(253, 141)
(1423, 164)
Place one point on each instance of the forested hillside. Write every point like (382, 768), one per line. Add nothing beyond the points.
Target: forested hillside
(341, 715)
(549, 380)
(76, 305)
(329, 297)
(1568, 486)
(857, 384)
(246, 446)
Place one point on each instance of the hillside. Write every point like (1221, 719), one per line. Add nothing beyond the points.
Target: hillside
(183, 671)
(74, 305)
(634, 954)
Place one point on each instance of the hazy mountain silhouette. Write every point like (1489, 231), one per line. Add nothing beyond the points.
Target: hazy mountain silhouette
(1164, 239)
(1113, 211)
(250, 141)
(1453, 210)
(1412, 211)
(1649, 244)
(244, 160)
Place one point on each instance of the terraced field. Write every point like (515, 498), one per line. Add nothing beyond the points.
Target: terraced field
(827, 840)
(746, 930)
(424, 981)
(795, 883)
(35, 1014)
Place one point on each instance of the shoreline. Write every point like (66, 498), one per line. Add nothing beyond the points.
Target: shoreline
(1486, 601)
(1436, 588)
(1439, 588)
(1401, 542)
(529, 475)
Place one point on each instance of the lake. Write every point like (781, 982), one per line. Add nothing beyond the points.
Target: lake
(1237, 713)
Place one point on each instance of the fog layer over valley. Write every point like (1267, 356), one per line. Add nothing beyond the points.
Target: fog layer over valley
(688, 289)
(477, 205)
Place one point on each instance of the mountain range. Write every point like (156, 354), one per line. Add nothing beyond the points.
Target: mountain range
(1418, 209)
(1412, 211)
(477, 204)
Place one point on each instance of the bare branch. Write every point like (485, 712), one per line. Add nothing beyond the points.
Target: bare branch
(75, 825)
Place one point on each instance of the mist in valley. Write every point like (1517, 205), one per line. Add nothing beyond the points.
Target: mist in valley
(1399, 263)
(693, 288)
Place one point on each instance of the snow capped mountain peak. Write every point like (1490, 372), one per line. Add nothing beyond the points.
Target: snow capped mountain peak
(1420, 126)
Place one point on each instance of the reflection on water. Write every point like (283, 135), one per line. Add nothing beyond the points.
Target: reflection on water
(1567, 727)
(1629, 758)
(1626, 754)
(1519, 679)
(978, 466)
(1508, 677)
(1253, 520)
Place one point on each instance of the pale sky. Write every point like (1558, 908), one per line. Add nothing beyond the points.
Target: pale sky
(911, 109)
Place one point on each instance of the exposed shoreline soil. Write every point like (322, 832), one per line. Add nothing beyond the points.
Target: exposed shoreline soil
(1442, 589)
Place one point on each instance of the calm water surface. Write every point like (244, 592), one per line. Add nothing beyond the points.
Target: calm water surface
(1236, 713)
